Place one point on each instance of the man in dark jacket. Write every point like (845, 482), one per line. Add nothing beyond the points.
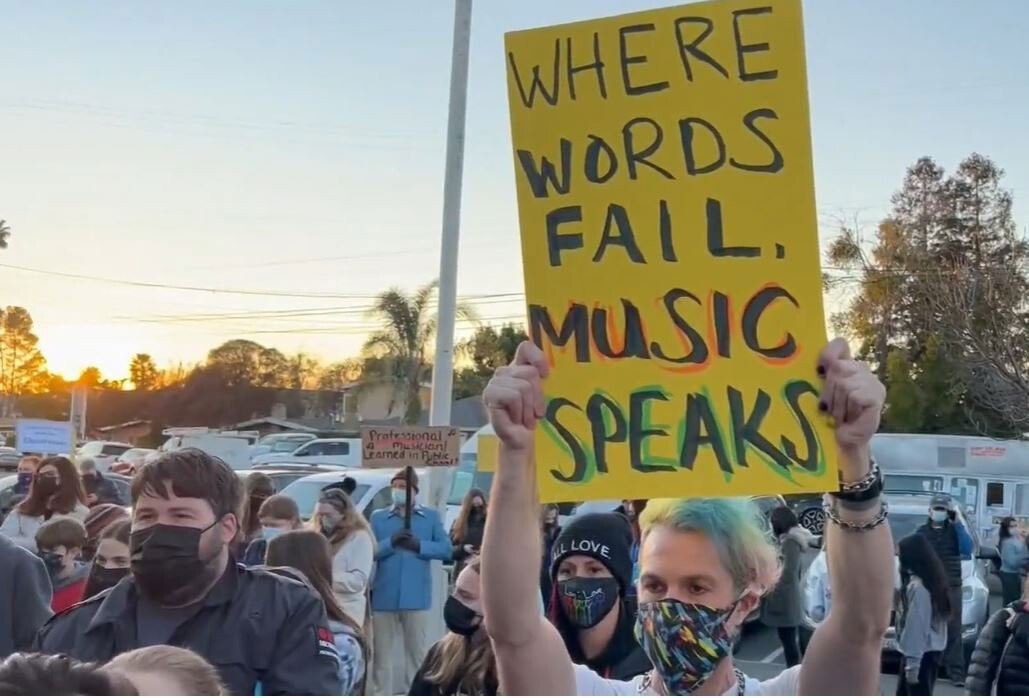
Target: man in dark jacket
(99, 489)
(185, 590)
(24, 597)
(1001, 655)
(952, 543)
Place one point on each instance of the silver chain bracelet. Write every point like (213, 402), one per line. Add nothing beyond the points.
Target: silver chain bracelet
(862, 484)
(832, 515)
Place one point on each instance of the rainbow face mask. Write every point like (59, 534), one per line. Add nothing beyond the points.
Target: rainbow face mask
(683, 641)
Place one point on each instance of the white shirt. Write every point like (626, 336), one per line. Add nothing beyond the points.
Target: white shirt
(590, 683)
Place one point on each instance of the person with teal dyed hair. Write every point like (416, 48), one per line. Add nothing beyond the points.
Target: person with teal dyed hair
(704, 564)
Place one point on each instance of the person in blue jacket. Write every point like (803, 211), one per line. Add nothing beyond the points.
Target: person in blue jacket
(402, 588)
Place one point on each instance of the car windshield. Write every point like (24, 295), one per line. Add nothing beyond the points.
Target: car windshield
(903, 525)
(113, 450)
(305, 493)
(285, 445)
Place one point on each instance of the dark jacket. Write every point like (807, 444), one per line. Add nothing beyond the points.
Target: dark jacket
(952, 543)
(784, 606)
(104, 488)
(622, 659)
(472, 536)
(255, 553)
(253, 626)
(24, 597)
(1001, 655)
(421, 686)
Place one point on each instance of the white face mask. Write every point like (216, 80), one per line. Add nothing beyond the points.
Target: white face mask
(400, 497)
(938, 516)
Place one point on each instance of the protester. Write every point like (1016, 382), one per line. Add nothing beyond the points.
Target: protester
(705, 563)
(925, 610)
(1000, 660)
(186, 590)
(817, 592)
(97, 520)
(25, 593)
(591, 571)
(353, 550)
(60, 543)
(111, 562)
(309, 553)
(99, 489)
(952, 543)
(783, 607)
(163, 670)
(27, 467)
(56, 491)
(43, 675)
(1013, 559)
(402, 588)
(466, 533)
(550, 529)
(462, 663)
(278, 514)
(259, 487)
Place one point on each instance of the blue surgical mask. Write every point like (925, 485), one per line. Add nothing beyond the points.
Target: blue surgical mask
(400, 498)
(269, 532)
(938, 516)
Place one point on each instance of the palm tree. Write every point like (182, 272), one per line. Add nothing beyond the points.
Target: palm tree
(404, 343)
(5, 232)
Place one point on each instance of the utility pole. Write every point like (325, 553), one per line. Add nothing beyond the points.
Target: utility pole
(443, 369)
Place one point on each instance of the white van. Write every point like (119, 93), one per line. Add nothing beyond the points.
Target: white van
(233, 447)
(988, 476)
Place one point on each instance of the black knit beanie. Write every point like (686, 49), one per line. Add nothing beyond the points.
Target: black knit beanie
(603, 537)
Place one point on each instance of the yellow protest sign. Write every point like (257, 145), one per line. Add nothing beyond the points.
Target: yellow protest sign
(667, 213)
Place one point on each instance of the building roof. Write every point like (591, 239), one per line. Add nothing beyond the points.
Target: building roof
(287, 424)
(123, 425)
(467, 413)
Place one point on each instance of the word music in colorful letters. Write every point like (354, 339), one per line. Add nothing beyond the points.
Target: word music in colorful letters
(666, 204)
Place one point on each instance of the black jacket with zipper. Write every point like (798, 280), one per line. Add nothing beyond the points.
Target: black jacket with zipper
(1001, 655)
(253, 627)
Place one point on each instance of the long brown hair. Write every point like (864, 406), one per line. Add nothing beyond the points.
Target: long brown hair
(259, 487)
(69, 493)
(460, 528)
(352, 520)
(310, 554)
(464, 665)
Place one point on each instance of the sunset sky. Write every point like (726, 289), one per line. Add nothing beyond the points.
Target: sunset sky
(296, 148)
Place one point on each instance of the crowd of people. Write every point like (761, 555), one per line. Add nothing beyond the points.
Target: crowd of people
(211, 584)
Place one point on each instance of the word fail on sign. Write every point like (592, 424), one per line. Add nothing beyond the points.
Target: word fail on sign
(396, 447)
(667, 213)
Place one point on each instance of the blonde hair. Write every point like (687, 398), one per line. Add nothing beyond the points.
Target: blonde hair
(352, 520)
(198, 678)
(464, 665)
(733, 525)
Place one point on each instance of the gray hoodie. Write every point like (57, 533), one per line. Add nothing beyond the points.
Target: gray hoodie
(920, 632)
(24, 597)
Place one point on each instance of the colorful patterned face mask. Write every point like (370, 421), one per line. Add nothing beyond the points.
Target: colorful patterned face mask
(586, 601)
(683, 641)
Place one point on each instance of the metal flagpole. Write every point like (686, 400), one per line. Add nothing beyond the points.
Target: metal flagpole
(443, 370)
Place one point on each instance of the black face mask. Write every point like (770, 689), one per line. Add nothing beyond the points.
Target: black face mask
(587, 600)
(53, 563)
(165, 561)
(460, 619)
(46, 485)
(101, 578)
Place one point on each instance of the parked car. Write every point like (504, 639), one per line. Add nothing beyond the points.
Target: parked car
(103, 453)
(908, 511)
(127, 462)
(284, 474)
(372, 491)
(9, 458)
(280, 443)
(345, 452)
